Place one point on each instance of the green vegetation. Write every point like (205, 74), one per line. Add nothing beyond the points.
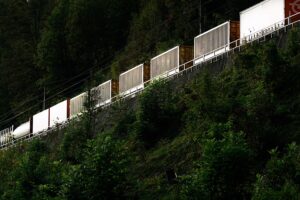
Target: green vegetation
(234, 135)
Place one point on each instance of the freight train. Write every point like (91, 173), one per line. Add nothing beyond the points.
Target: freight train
(255, 22)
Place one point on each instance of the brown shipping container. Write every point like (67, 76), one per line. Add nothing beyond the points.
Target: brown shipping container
(146, 72)
(216, 39)
(170, 60)
(186, 56)
(234, 31)
(114, 88)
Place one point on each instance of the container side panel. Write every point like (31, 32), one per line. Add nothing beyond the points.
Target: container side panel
(58, 113)
(211, 40)
(292, 7)
(234, 30)
(146, 72)
(114, 88)
(102, 93)
(164, 63)
(40, 121)
(77, 104)
(186, 55)
(131, 79)
(265, 15)
(6, 135)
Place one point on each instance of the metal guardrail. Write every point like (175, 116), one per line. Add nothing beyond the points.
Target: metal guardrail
(184, 68)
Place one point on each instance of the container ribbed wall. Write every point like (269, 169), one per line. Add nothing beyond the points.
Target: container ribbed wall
(165, 62)
(77, 104)
(102, 93)
(212, 40)
(5, 135)
(131, 79)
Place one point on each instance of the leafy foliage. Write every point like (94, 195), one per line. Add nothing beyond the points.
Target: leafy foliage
(224, 169)
(281, 179)
(102, 174)
(159, 115)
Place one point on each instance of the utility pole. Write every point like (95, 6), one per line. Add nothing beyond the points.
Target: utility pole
(200, 17)
(44, 101)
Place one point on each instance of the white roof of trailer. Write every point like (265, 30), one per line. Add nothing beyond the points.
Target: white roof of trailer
(256, 5)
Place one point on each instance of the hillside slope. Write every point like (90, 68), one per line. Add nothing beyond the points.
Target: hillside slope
(231, 135)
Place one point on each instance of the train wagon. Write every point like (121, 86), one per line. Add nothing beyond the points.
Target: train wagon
(103, 93)
(77, 105)
(59, 113)
(21, 131)
(6, 135)
(168, 63)
(267, 16)
(40, 121)
(292, 10)
(134, 79)
(216, 41)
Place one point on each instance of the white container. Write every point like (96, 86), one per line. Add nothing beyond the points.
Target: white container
(212, 43)
(40, 121)
(77, 105)
(21, 131)
(131, 80)
(165, 64)
(58, 113)
(102, 94)
(266, 16)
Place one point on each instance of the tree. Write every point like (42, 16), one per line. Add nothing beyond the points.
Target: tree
(159, 115)
(224, 167)
(103, 172)
(280, 179)
(17, 70)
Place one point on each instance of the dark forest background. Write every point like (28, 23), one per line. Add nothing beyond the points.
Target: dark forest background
(60, 45)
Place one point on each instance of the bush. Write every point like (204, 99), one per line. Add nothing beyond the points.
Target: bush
(103, 172)
(281, 179)
(224, 168)
(74, 141)
(159, 115)
(35, 177)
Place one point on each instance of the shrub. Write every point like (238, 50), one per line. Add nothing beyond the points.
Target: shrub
(224, 168)
(281, 178)
(159, 115)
